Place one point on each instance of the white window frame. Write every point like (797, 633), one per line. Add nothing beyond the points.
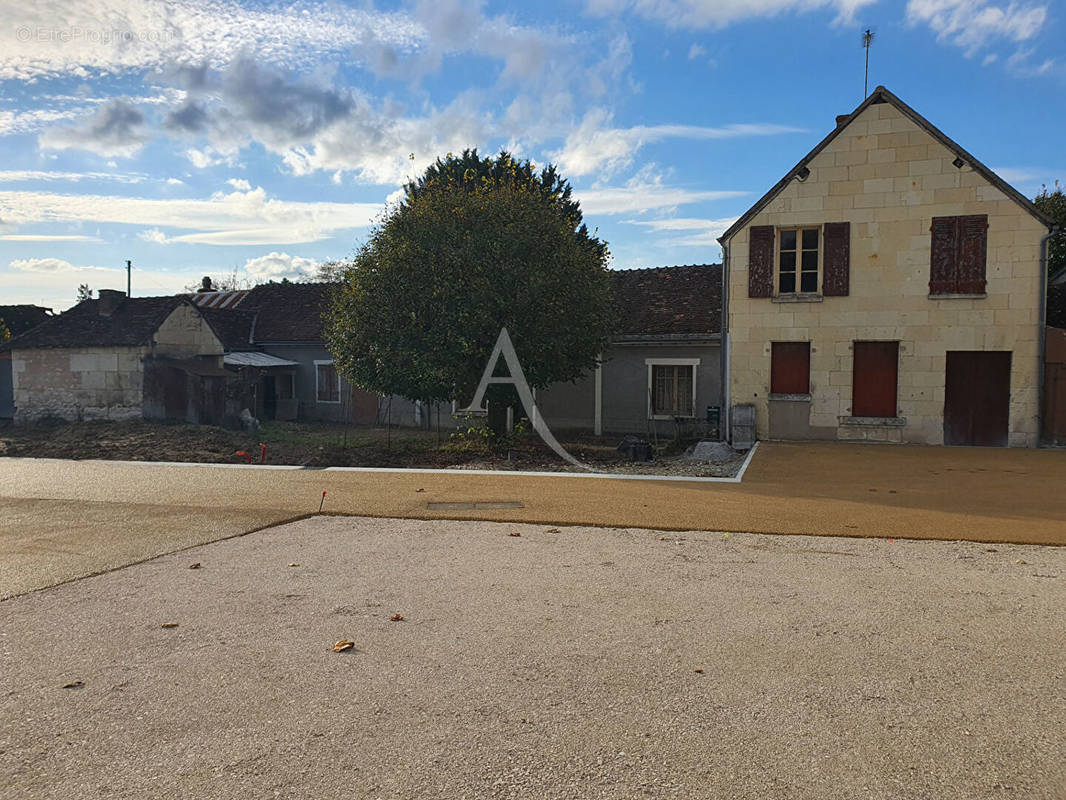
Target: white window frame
(799, 229)
(671, 362)
(325, 362)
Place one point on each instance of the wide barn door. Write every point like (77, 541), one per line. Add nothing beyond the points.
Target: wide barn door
(977, 398)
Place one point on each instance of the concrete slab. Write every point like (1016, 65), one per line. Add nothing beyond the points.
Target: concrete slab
(581, 663)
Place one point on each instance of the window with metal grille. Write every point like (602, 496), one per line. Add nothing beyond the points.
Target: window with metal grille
(797, 260)
(327, 382)
(672, 390)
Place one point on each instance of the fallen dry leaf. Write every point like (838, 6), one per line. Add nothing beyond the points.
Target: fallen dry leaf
(1020, 561)
(169, 625)
(343, 645)
(553, 530)
(73, 685)
(396, 618)
(514, 533)
(991, 550)
(195, 566)
(294, 564)
(699, 671)
(660, 538)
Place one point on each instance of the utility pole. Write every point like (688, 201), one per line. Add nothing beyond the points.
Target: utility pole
(867, 40)
(129, 271)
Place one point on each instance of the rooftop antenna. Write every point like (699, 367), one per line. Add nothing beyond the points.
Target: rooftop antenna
(129, 271)
(867, 40)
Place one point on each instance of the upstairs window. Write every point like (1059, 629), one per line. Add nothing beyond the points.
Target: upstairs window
(957, 255)
(797, 261)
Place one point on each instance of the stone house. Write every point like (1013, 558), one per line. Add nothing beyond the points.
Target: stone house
(121, 358)
(890, 287)
(296, 378)
(662, 373)
(17, 319)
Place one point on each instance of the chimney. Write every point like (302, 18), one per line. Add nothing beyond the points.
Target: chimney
(109, 300)
(842, 118)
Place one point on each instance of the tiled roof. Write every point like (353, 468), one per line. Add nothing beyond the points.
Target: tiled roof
(288, 312)
(20, 319)
(233, 327)
(669, 301)
(132, 324)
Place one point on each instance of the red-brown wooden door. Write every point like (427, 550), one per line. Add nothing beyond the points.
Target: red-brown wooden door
(874, 379)
(977, 398)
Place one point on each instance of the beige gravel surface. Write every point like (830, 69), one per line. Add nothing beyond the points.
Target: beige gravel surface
(554, 664)
(63, 519)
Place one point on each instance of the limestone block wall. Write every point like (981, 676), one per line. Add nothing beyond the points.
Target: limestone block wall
(78, 383)
(185, 334)
(888, 177)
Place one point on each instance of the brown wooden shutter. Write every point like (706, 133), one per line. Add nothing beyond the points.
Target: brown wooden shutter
(875, 379)
(973, 249)
(761, 261)
(943, 255)
(836, 274)
(790, 367)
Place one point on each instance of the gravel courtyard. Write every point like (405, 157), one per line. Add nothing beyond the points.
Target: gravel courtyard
(559, 663)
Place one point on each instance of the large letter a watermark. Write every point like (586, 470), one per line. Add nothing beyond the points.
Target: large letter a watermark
(518, 378)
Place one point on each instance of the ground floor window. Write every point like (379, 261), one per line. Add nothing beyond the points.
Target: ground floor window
(790, 368)
(327, 382)
(875, 373)
(672, 387)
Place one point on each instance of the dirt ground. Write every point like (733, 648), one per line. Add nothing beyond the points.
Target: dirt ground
(561, 663)
(328, 445)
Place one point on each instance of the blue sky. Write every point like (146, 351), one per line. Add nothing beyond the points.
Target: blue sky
(205, 137)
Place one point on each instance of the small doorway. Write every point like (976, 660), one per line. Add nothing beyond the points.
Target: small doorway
(977, 398)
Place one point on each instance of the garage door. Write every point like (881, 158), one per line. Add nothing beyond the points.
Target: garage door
(977, 398)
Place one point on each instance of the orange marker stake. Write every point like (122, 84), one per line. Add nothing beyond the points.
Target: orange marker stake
(321, 502)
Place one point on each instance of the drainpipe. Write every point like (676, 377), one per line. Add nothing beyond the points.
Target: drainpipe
(1041, 333)
(726, 413)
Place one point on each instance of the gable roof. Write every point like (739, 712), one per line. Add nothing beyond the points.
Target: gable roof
(288, 312)
(234, 328)
(669, 302)
(132, 324)
(883, 95)
(21, 318)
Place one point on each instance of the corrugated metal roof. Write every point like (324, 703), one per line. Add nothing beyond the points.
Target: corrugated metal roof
(252, 359)
(218, 299)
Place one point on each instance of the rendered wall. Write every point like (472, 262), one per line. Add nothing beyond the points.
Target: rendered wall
(78, 383)
(185, 334)
(889, 178)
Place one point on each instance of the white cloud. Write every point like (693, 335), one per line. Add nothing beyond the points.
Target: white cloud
(16, 122)
(637, 197)
(721, 13)
(973, 24)
(240, 184)
(705, 232)
(696, 51)
(66, 38)
(20, 175)
(175, 182)
(279, 265)
(224, 219)
(44, 265)
(48, 237)
(596, 147)
(154, 236)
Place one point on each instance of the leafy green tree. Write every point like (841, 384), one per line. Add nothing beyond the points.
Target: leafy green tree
(5, 334)
(1053, 205)
(84, 292)
(477, 244)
